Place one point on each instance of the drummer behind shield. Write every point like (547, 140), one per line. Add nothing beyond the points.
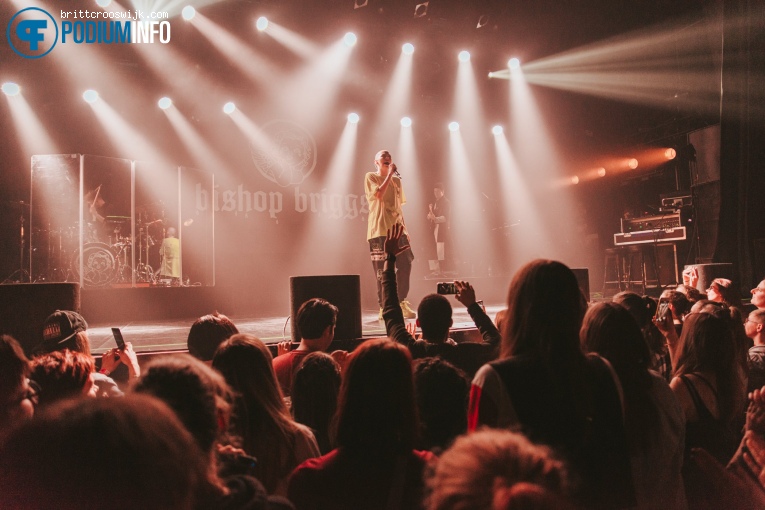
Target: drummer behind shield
(170, 253)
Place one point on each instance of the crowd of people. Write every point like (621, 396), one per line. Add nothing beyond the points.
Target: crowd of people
(629, 403)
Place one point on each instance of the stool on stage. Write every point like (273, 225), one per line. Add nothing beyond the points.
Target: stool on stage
(625, 269)
(612, 274)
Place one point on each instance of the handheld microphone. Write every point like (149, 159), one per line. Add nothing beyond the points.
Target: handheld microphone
(395, 172)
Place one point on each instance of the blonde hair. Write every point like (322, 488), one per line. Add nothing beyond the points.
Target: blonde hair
(483, 469)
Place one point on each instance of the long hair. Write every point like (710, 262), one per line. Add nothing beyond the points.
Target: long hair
(260, 417)
(612, 332)
(198, 394)
(707, 345)
(376, 414)
(544, 313)
(315, 388)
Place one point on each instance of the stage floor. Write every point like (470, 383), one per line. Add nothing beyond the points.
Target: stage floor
(170, 335)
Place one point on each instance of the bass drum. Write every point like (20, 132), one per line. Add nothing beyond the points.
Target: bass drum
(99, 265)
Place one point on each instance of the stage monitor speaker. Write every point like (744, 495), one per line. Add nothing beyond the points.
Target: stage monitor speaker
(583, 279)
(24, 307)
(343, 291)
(708, 272)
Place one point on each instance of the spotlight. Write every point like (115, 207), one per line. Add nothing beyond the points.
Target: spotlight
(454, 126)
(633, 163)
(262, 23)
(11, 89)
(90, 96)
(353, 118)
(349, 39)
(497, 130)
(464, 56)
(408, 48)
(103, 3)
(406, 122)
(514, 63)
(575, 180)
(670, 153)
(188, 12)
(165, 103)
(229, 108)
(421, 10)
(491, 74)
(601, 172)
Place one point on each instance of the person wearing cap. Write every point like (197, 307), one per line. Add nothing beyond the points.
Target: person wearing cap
(66, 329)
(385, 195)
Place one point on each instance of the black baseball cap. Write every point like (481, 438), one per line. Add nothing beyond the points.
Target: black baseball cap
(61, 326)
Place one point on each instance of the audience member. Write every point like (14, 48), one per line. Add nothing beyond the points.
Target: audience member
(65, 329)
(200, 398)
(207, 333)
(678, 305)
(755, 329)
(722, 290)
(546, 387)
(17, 396)
(62, 375)
(758, 295)
(496, 470)
(434, 316)
(709, 388)
(315, 387)
(374, 465)
(739, 487)
(110, 454)
(642, 310)
(654, 421)
(692, 294)
(441, 392)
(260, 418)
(315, 320)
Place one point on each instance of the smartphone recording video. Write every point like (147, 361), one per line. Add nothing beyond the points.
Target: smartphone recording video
(662, 309)
(446, 288)
(118, 338)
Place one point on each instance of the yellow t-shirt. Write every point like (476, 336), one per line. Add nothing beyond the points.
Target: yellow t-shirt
(385, 212)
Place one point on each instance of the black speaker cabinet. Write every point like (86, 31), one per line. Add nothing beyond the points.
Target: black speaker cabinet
(343, 291)
(583, 279)
(708, 272)
(24, 307)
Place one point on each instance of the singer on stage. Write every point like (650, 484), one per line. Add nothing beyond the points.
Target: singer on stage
(385, 195)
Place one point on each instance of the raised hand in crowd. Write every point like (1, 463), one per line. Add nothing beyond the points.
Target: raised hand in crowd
(283, 347)
(465, 293)
(341, 357)
(391, 240)
(411, 328)
(112, 358)
(691, 276)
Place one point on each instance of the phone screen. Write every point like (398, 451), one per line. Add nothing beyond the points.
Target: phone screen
(662, 309)
(446, 288)
(118, 338)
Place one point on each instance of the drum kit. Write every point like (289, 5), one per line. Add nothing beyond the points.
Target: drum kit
(107, 252)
